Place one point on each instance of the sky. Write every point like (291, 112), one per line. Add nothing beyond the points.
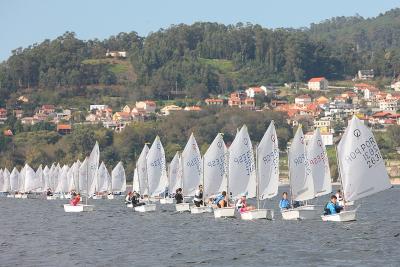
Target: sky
(24, 22)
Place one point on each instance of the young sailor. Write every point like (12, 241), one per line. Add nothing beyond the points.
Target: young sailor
(128, 198)
(49, 193)
(179, 196)
(220, 200)
(241, 204)
(284, 203)
(198, 196)
(332, 207)
(75, 201)
(135, 199)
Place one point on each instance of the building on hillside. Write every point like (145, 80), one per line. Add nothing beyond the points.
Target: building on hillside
(322, 100)
(23, 99)
(29, 121)
(192, 108)
(395, 86)
(253, 91)
(8, 133)
(126, 109)
(122, 117)
(324, 125)
(318, 83)
(47, 109)
(370, 93)
(389, 105)
(276, 103)
(327, 138)
(18, 113)
(92, 118)
(3, 115)
(240, 100)
(116, 54)
(148, 105)
(98, 107)
(365, 74)
(170, 108)
(64, 128)
(214, 102)
(302, 100)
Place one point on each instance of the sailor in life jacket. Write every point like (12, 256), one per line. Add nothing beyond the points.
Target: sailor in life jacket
(75, 201)
(241, 204)
(284, 203)
(332, 207)
(198, 196)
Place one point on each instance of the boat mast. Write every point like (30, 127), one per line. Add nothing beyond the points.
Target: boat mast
(203, 182)
(182, 178)
(290, 184)
(227, 180)
(341, 179)
(147, 178)
(257, 178)
(87, 180)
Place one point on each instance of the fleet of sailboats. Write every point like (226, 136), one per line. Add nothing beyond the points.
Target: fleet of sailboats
(239, 170)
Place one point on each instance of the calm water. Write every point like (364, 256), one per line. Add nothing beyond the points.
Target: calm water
(38, 233)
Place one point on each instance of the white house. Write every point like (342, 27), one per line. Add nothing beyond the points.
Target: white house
(318, 83)
(388, 105)
(365, 74)
(98, 107)
(302, 100)
(167, 109)
(327, 138)
(253, 91)
(147, 105)
(116, 54)
(395, 86)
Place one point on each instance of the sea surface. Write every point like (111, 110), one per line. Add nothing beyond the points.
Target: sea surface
(36, 232)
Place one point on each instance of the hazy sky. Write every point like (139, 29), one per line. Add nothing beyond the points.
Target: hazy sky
(26, 22)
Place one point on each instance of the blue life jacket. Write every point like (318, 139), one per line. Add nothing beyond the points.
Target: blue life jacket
(284, 204)
(331, 208)
(218, 199)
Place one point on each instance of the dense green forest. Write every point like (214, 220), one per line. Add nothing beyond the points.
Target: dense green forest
(206, 58)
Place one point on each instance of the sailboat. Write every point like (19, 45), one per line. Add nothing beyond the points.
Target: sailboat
(32, 181)
(174, 178)
(361, 168)
(267, 174)
(191, 171)
(241, 171)
(300, 179)
(319, 165)
(141, 167)
(14, 182)
(87, 174)
(6, 181)
(117, 181)
(214, 171)
(156, 174)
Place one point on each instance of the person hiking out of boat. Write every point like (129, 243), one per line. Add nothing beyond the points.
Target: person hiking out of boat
(135, 200)
(198, 196)
(49, 193)
(241, 204)
(220, 200)
(332, 207)
(128, 198)
(284, 203)
(179, 196)
(75, 201)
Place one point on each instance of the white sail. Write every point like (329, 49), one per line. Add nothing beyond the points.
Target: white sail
(76, 175)
(93, 166)
(40, 179)
(83, 183)
(215, 166)
(301, 181)
(46, 178)
(1, 181)
(362, 168)
(62, 186)
(103, 179)
(142, 170)
(156, 169)
(14, 180)
(6, 177)
(319, 164)
(175, 179)
(268, 164)
(135, 183)
(191, 167)
(118, 178)
(70, 177)
(31, 181)
(21, 180)
(242, 175)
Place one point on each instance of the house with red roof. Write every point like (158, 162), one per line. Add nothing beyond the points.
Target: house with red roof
(64, 128)
(302, 100)
(317, 84)
(240, 100)
(253, 91)
(47, 109)
(148, 105)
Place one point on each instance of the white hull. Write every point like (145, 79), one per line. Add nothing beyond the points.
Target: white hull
(17, 196)
(197, 210)
(24, 196)
(344, 216)
(224, 212)
(167, 201)
(97, 197)
(146, 208)
(78, 208)
(258, 214)
(51, 197)
(11, 196)
(299, 214)
(68, 196)
(110, 196)
(181, 207)
(129, 205)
